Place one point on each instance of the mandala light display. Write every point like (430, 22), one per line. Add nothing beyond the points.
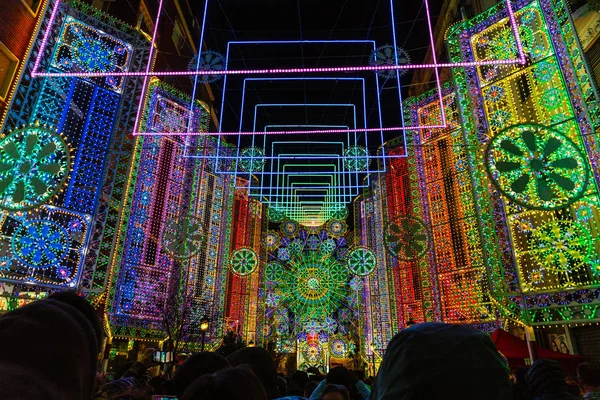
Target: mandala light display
(209, 61)
(339, 212)
(243, 262)
(340, 347)
(310, 282)
(34, 165)
(275, 214)
(272, 240)
(336, 228)
(83, 48)
(356, 158)
(537, 167)
(407, 238)
(182, 238)
(252, 159)
(40, 243)
(312, 353)
(389, 55)
(362, 261)
(561, 245)
(290, 228)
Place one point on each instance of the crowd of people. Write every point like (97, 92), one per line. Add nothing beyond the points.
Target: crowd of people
(49, 351)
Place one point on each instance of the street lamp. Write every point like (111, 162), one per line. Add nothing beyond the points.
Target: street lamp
(372, 347)
(203, 328)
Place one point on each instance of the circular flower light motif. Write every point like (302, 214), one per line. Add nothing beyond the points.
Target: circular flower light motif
(524, 226)
(327, 247)
(312, 352)
(329, 325)
(362, 261)
(339, 212)
(182, 238)
(252, 159)
(244, 261)
(290, 228)
(494, 93)
(295, 247)
(407, 238)
(272, 240)
(536, 276)
(338, 272)
(34, 164)
(561, 245)
(338, 346)
(272, 300)
(389, 55)
(356, 158)
(275, 214)
(40, 244)
(537, 167)
(356, 283)
(500, 118)
(552, 98)
(209, 61)
(584, 211)
(93, 56)
(274, 272)
(5, 263)
(313, 283)
(336, 228)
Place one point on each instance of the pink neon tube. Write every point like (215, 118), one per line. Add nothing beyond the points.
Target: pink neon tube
(308, 132)
(520, 60)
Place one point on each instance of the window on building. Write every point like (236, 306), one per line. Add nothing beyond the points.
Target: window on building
(8, 69)
(33, 5)
(178, 36)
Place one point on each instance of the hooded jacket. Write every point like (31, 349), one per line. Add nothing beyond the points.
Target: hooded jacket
(442, 361)
(48, 350)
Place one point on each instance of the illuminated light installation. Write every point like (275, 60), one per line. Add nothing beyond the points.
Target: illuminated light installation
(68, 179)
(387, 55)
(537, 167)
(407, 238)
(539, 227)
(514, 28)
(209, 61)
(34, 165)
(356, 158)
(307, 294)
(243, 305)
(167, 262)
(44, 246)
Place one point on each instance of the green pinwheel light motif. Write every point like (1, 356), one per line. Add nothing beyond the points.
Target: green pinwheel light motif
(561, 245)
(40, 244)
(94, 56)
(252, 159)
(407, 238)
(327, 247)
(244, 261)
(273, 272)
(34, 165)
(182, 238)
(537, 167)
(275, 214)
(362, 261)
(356, 158)
(339, 212)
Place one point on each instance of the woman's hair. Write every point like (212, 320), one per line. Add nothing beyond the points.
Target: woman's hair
(227, 384)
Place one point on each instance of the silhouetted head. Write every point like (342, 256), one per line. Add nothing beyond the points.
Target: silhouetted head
(226, 384)
(195, 366)
(588, 375)
(335, 392)
(435, 361)
(545, 377)
(261, 363)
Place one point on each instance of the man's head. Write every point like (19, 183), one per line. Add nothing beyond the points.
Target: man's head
(335, 392)
(588, 375)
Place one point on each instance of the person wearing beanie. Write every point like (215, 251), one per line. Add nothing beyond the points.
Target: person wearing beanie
(49, 350)
(547, 381)
(442, 361)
